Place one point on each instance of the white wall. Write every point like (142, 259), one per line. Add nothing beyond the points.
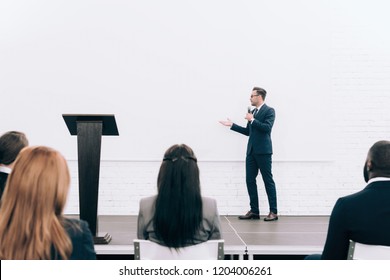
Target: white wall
(168, 70)
(353, 109)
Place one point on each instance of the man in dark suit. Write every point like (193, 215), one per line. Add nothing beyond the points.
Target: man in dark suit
(259, 153)
(364, 216)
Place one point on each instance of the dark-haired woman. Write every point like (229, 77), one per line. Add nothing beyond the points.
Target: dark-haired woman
(178, 215)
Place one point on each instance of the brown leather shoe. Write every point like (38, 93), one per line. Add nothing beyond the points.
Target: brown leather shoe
(249, 215)
(271, 217)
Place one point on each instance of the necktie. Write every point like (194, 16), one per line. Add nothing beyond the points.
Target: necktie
(255, 112)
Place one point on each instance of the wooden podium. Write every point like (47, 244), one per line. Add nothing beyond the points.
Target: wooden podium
(89, 130)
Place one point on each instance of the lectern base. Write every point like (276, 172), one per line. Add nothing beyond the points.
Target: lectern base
(103, 238)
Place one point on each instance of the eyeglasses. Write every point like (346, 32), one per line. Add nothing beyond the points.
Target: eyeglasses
(254, 95)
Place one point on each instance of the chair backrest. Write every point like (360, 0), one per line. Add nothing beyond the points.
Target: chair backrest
(360, 251)
(209, 250)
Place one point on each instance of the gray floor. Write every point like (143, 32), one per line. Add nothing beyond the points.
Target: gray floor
(289, 236)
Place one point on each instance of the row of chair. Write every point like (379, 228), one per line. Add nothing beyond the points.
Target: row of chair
(214, 250)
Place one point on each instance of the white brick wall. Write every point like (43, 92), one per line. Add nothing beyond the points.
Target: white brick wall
(359, 116)
(304, 188)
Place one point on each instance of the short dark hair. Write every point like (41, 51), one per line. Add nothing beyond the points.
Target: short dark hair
(11, 143)
(379, 154)
(260, 91)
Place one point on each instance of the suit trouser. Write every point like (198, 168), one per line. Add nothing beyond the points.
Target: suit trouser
(254, 163)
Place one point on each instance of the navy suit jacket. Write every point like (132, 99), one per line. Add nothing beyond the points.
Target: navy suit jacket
(363, 217)
(82, 240)
(259, 131)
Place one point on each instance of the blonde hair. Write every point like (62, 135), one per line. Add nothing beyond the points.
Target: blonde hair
(31, 221)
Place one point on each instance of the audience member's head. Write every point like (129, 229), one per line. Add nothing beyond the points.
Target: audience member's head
(179, 204)
(33, 202)
(11, 143)
(378, 161)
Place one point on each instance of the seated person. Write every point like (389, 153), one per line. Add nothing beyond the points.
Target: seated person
(32, 225)
(363, 216)
(178, 215)
(11, 143)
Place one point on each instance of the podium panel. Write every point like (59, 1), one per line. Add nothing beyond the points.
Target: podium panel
(89, 130)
